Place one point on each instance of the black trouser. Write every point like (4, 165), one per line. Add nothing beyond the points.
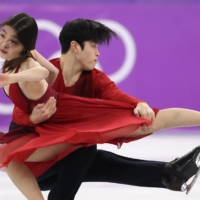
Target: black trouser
(91, 165)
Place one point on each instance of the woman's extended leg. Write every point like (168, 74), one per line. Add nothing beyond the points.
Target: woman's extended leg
(48, 153)
(170, 118)
(165, 119)
(24, 180)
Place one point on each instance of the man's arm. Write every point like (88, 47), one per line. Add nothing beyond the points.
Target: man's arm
(40, 113)
(21, 118)
(106, 89)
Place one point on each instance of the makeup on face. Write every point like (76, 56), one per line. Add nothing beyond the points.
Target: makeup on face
(10, 47)
(7, 37)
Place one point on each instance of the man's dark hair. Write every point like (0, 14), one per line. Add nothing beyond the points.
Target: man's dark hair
(81, 30)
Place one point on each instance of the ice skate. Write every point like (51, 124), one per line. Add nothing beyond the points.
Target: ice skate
(176, 173)
(189, 187)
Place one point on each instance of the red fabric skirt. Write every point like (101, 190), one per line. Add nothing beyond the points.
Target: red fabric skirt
(79, 121)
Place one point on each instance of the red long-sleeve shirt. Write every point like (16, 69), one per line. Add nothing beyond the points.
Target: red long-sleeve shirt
(91, 84)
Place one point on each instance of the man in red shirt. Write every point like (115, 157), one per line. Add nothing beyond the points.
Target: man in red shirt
(90, 164)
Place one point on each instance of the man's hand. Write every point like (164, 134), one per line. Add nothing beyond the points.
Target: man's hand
(143, 110)
(43, 112)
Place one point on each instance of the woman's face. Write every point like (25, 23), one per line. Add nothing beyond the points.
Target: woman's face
(10, 47)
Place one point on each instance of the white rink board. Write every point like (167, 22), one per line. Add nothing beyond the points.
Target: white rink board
(164, 146)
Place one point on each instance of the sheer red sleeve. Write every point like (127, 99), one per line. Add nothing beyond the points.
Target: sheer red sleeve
(106, 89)
(21, 118)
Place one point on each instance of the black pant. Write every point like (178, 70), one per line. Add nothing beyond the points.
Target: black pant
(88, 164)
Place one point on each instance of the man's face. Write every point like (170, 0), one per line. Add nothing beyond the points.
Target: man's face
(10, 47)
(88, 57)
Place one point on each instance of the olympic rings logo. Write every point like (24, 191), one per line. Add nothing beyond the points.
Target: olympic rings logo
(118, 76)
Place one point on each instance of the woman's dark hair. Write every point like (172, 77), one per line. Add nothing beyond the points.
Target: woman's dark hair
(27, 30)
(81, 30)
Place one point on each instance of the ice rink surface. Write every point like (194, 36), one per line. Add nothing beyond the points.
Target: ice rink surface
(164, 146)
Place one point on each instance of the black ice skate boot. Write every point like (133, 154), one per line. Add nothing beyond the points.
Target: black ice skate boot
(177, 172)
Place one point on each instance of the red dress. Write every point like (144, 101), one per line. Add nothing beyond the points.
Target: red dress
(78, 120)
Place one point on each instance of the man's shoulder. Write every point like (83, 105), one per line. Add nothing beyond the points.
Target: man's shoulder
(55, 62)
(97, 72)
(99, 77)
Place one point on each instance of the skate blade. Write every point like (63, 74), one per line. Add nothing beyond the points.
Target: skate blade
(189, 187)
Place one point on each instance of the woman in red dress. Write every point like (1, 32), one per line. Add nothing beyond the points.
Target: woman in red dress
(77, 122)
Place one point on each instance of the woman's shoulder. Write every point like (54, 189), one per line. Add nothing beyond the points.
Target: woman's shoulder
(29, 63)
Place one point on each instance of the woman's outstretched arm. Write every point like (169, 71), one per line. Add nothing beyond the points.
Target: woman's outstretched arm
(36, 73)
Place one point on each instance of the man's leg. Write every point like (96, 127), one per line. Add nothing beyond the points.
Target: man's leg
(109, 167)
(83, 165)
(65, 177)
